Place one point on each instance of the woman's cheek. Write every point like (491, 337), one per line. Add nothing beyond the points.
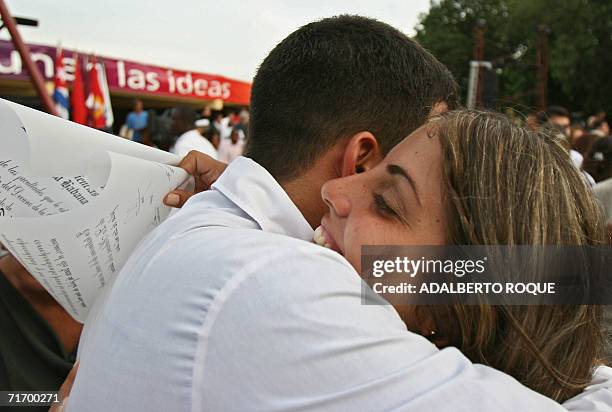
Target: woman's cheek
(359, 235)
(351, 247)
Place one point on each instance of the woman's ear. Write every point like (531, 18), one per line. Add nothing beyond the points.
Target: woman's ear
(360, 154)
(419, 320)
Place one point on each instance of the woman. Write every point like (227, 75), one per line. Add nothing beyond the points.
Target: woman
(472, 178)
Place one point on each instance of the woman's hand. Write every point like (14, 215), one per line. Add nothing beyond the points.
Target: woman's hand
(204, 169)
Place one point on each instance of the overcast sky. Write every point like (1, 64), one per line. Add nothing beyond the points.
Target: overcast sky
(223, 37)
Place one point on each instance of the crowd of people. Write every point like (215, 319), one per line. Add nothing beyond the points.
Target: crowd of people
(182, 129)
(588, 141)
(230, 305)
(590, 148)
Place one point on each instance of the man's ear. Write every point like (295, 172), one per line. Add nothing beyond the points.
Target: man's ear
(360, 154)
(438, 108)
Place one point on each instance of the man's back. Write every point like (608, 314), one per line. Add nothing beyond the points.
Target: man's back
(193, 140)
(220, 310)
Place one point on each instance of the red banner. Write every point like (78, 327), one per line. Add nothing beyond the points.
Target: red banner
(129, 76)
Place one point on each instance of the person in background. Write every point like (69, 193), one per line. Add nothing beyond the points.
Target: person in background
(231, 148)
(560, 117)
(221, 124)
(183, 126)
(206, 113)
(598, 160)
(234, 119)
(600, 127)
(599, 164)
(212, 134)
(202, 125)
(595, 117)
(137, 121)
(576, 132)
(243, 124)
(583, 145)
(39, 338)
(558, 120)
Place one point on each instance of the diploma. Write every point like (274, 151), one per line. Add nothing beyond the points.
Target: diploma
(75, 201)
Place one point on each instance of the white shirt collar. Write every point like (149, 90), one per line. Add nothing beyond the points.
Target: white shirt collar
(259, 195)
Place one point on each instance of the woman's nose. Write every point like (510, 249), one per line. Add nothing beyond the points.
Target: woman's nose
(337, 197)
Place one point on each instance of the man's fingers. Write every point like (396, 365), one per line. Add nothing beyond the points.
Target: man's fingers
(205, 171)
(177, 198)
(190, 162)
(203, 168)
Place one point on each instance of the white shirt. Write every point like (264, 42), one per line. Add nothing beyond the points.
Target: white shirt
(193, 140)
(603, 192)
(578, 160)
(229, 151)
(226, 306)
(596, 397)
(223, 127)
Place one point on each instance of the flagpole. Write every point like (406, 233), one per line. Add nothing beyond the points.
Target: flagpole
(24, 51)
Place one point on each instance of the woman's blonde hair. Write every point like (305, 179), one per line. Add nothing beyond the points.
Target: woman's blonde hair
(506, 185)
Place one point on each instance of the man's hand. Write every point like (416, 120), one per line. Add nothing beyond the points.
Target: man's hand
(64, 390)
(204, 169)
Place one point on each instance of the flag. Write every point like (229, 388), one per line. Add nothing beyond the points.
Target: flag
(95, 100)
(108, 108)
(60, 91)
(77, 98)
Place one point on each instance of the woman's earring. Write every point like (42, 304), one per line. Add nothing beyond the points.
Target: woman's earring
(431, 335)
(359, 169)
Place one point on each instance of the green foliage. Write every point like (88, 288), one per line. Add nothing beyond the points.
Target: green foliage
(580, 47)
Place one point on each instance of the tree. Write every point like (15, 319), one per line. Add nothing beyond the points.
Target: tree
(580, 44)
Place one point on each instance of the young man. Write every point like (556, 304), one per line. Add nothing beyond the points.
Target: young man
(228, 306)
(183, 126)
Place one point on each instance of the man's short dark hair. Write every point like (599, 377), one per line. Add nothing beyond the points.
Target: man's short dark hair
(333, 78)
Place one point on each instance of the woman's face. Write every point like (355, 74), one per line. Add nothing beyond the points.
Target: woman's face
(399, 202)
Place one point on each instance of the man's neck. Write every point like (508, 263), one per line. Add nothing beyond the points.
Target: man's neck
(305, 194)
(305, 190)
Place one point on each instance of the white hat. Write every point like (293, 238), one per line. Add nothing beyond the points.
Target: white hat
(202, 123)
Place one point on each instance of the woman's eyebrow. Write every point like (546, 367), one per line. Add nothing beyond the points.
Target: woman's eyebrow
(398, 170)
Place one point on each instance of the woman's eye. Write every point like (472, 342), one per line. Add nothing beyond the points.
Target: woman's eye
(382, 206)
